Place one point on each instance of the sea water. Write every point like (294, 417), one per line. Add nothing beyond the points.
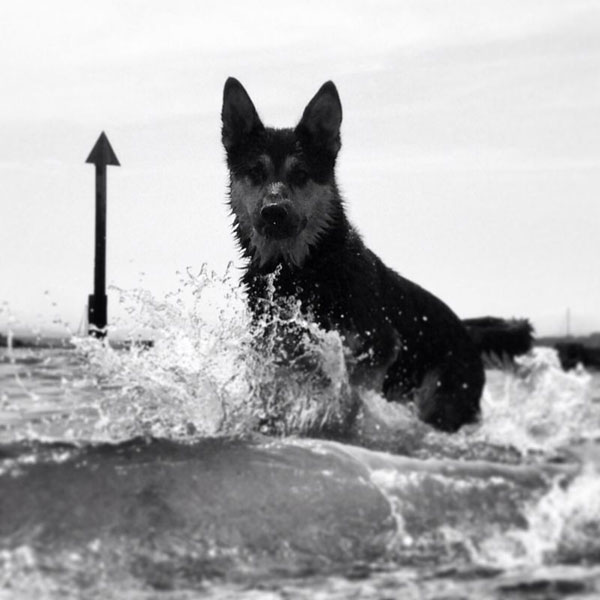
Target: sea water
(199, 467)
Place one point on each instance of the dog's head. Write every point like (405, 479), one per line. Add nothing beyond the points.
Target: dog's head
(283, 194)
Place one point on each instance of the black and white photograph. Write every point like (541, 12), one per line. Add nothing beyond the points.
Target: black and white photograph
(300, 300)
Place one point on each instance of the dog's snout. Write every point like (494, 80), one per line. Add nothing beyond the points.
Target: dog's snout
(277, 217)
(274, 213)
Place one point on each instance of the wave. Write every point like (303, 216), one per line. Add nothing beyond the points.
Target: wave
(203, 458)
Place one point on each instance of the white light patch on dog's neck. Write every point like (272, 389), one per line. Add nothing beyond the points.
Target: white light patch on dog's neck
(313, 202)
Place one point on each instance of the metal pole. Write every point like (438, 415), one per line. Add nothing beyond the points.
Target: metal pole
(102, 154)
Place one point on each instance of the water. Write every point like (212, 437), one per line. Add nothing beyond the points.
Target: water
(203, 468)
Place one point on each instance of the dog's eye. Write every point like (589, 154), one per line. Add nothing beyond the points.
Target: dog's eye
(257, 173)
(298, 177)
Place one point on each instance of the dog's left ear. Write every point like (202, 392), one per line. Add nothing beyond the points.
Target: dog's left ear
(239, 117)
(322, 118)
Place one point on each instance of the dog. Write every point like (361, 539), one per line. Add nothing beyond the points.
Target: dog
(291, 226)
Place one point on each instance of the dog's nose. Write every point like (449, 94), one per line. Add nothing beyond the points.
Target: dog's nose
(274, 214)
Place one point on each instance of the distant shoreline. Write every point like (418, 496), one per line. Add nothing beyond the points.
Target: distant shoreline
(41, 342)
(62, 343)
(589, 341)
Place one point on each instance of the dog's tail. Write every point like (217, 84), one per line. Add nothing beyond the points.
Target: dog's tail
(500, 340)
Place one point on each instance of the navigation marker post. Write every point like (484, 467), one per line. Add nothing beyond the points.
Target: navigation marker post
(101, 155)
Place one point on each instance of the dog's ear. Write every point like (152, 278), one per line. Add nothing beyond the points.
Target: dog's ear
(239, 117)
(321, 120)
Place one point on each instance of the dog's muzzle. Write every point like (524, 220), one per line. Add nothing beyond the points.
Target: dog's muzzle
(278, 220)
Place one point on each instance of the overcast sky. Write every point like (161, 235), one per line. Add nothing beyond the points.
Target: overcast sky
(470, 159)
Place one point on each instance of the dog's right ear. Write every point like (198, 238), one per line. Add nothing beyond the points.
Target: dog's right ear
(239, 117)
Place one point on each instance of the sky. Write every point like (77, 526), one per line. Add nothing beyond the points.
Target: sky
(470, 159)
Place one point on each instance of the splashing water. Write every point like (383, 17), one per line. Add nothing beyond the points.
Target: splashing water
(541, 394)
(204, 374)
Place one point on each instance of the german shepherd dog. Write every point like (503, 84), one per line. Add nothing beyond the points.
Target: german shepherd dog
(289, 220)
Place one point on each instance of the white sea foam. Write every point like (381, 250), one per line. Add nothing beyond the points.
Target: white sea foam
(538, 407)
(561, 526)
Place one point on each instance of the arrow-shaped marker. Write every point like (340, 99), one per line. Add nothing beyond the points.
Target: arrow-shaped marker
(101, 155)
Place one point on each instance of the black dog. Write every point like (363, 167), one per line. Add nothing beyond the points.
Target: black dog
(289, 219)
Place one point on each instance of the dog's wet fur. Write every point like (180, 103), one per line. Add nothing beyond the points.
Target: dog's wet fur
(289, 219)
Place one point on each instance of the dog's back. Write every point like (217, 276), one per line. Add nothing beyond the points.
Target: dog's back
(289, 218)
